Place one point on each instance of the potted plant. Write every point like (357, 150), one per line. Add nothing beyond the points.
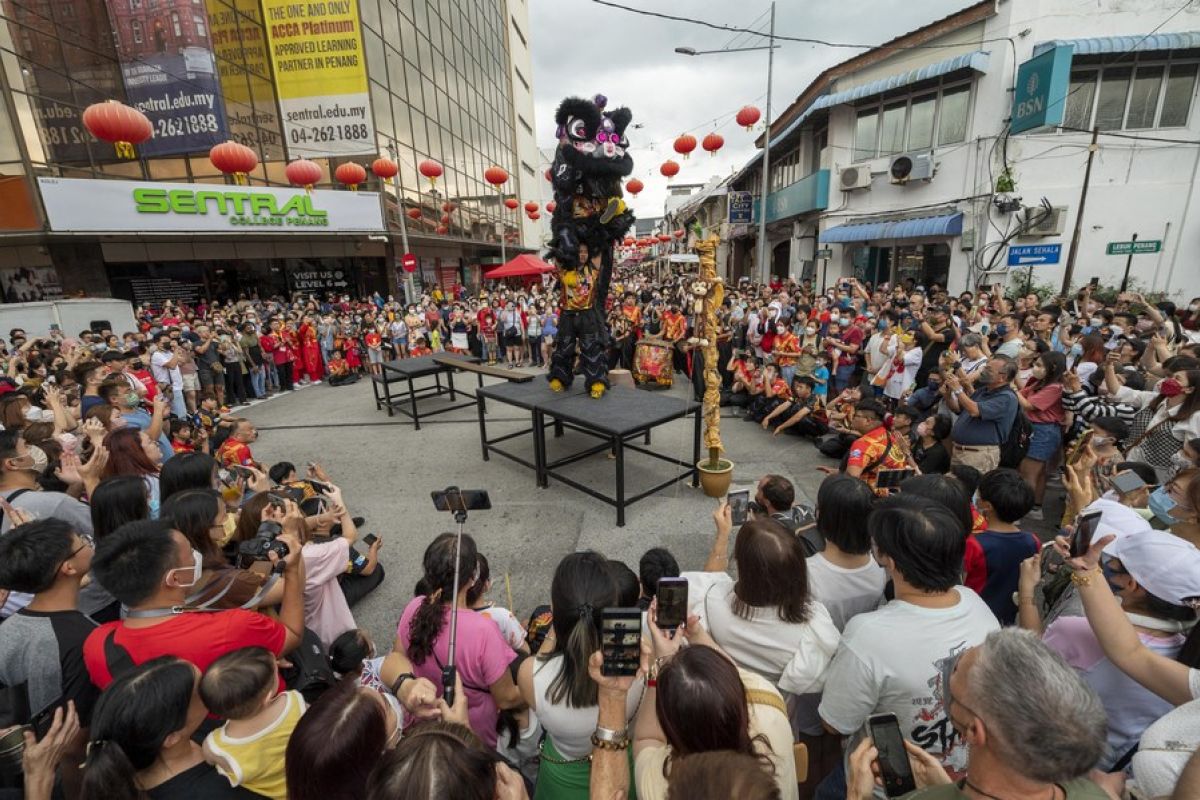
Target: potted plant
(716, 473)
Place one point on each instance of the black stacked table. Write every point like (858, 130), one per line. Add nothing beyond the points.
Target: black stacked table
(617, 418)
(401, 373)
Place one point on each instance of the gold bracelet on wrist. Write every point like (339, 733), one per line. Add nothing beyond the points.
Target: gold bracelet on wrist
(1085, 578)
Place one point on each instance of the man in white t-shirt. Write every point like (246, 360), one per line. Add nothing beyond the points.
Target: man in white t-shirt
(164, 366)
(844, 576)
(894, 660)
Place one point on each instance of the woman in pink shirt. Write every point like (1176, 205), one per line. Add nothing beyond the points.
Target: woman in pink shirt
(1041, 400)
(482, 656)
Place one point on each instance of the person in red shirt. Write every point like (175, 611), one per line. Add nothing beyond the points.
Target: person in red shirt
(419, 348)
(843, 345)
(876, 449)
(151, 569)
(275, 344)
(236, 447)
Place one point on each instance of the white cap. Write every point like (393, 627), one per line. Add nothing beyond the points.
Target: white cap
(1117, 520)
(1167, 566)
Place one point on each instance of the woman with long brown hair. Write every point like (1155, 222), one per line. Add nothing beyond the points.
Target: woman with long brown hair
(132, 452)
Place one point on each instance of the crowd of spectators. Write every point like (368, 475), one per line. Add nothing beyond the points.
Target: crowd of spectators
(1002, 561)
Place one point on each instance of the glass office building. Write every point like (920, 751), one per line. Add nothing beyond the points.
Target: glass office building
(417, 79)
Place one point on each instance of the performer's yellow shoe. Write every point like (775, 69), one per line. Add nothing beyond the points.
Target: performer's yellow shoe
(597, 390)
(556, 385)
(615, 208)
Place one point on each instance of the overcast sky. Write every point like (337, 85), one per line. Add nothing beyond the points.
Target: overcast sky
(582, 48)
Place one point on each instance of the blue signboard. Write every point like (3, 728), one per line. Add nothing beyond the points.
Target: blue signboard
(1041, 94)
(741, 208)
(1030, 255)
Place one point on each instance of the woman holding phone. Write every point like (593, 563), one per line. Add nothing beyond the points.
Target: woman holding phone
(1041, 400)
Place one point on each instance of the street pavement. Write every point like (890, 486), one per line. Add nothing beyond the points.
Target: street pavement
(387, 469)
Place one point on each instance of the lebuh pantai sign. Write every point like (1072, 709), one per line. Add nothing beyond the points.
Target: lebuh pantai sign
(81, 205)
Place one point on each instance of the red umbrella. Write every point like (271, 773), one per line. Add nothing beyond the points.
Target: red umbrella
(521, 266)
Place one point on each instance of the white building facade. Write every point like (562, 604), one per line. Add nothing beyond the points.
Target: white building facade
(898, 165)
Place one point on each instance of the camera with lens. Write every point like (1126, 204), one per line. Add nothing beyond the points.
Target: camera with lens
(264, 543)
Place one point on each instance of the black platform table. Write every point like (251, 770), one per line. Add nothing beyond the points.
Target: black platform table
(401, 373)
(617, 418)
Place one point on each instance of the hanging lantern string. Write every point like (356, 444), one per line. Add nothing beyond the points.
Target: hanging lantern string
(701, 128)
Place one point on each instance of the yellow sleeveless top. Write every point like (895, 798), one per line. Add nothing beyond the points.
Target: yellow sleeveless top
(256, 762)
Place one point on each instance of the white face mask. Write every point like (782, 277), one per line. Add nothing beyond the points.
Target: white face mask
(833, 318)
(197, 569)
(1117, 330)
(40, 462)
(33, 414)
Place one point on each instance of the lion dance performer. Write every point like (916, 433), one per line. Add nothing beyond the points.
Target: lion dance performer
(589, 219)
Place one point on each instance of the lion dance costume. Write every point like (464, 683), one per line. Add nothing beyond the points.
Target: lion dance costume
(589, 163)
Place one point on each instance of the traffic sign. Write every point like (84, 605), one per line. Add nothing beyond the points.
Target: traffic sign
(825, 252)
(1137, 248)
(1030, 255)
(409, 262)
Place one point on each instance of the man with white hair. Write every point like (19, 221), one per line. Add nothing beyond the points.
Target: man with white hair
(1034, 728)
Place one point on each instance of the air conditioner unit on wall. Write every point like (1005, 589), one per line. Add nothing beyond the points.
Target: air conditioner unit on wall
(1038, 221)
(911, 167)
(855, 177)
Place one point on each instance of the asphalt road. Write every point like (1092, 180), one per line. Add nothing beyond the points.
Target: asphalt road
(387, 469)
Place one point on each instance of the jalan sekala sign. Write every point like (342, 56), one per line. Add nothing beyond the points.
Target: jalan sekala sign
(82, 206)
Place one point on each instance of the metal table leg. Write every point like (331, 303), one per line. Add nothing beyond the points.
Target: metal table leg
(387, 394)
(619, 446)
(696, 448)
(450, 380)
(412, 397)
(539, 448)
(480, 404)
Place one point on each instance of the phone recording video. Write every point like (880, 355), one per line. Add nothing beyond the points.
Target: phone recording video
(739, 507)
(672, 597)
(1085, 530)
(620, 641)
(894, 766)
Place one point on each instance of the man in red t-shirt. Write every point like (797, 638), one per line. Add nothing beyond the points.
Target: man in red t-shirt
(843, 344)
(236, 447)
(151, 568)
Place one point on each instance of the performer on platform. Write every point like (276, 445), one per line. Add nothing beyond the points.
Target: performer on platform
(581, 324)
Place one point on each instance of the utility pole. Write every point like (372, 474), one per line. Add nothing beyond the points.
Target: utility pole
(764, 262)
(1087, 178)
(410, 291)
(1128, 263)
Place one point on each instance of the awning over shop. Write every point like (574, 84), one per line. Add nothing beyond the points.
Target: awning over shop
(1104, 45)
(914, 228)
(977, 61)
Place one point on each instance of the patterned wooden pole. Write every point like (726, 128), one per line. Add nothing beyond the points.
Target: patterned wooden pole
(707, 250)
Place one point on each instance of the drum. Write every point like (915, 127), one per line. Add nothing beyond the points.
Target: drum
(652, 362)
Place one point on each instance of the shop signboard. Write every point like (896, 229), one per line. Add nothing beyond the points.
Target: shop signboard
(319, 280)
(741, 208)
(80, 205)
(1041, 92)
(170, 74)
(321, 76)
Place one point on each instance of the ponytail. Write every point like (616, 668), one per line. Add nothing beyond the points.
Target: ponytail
(426, 624)
(582, 588)
(108, 773)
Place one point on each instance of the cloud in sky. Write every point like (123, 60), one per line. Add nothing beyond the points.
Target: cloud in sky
(583, 48)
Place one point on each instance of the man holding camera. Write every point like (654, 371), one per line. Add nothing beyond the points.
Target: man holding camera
(164, 365)
(985, 416)
(151, 568)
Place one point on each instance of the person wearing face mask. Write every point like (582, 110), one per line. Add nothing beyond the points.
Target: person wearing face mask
(1167, 417)
(20, 466)
(151, 568)
(786, 351)
(1175, 505)
(985, 417)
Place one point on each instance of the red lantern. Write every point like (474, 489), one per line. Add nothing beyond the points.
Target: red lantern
(430, 169)
(441, 230)
(549, 177)
(233, 159)
(350, 174)
(445, 220)
(496, 176)
(629, 241)
(117, 123)
(511, 203)
(447, 207)
(535, 216)
(679, 233)
(747, 116)
(531, 207)
(713, 142)
(384, 168)
(685, 144)
(669, 168)
(303, 172)
(413, 213)
(551, 206)
(664, 237)
(634, 186)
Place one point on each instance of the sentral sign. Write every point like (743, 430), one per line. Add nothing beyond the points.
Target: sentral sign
(75, 205)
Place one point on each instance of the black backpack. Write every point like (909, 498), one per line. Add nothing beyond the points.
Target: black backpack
(1014, 448)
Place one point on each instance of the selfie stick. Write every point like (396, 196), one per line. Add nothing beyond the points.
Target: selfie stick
(460, 516)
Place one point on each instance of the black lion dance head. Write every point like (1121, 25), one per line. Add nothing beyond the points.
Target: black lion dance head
(591, 159)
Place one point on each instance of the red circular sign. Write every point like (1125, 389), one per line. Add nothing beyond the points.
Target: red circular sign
(409, 262)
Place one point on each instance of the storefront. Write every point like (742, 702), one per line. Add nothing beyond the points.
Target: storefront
(915, 251)
(147, 242)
